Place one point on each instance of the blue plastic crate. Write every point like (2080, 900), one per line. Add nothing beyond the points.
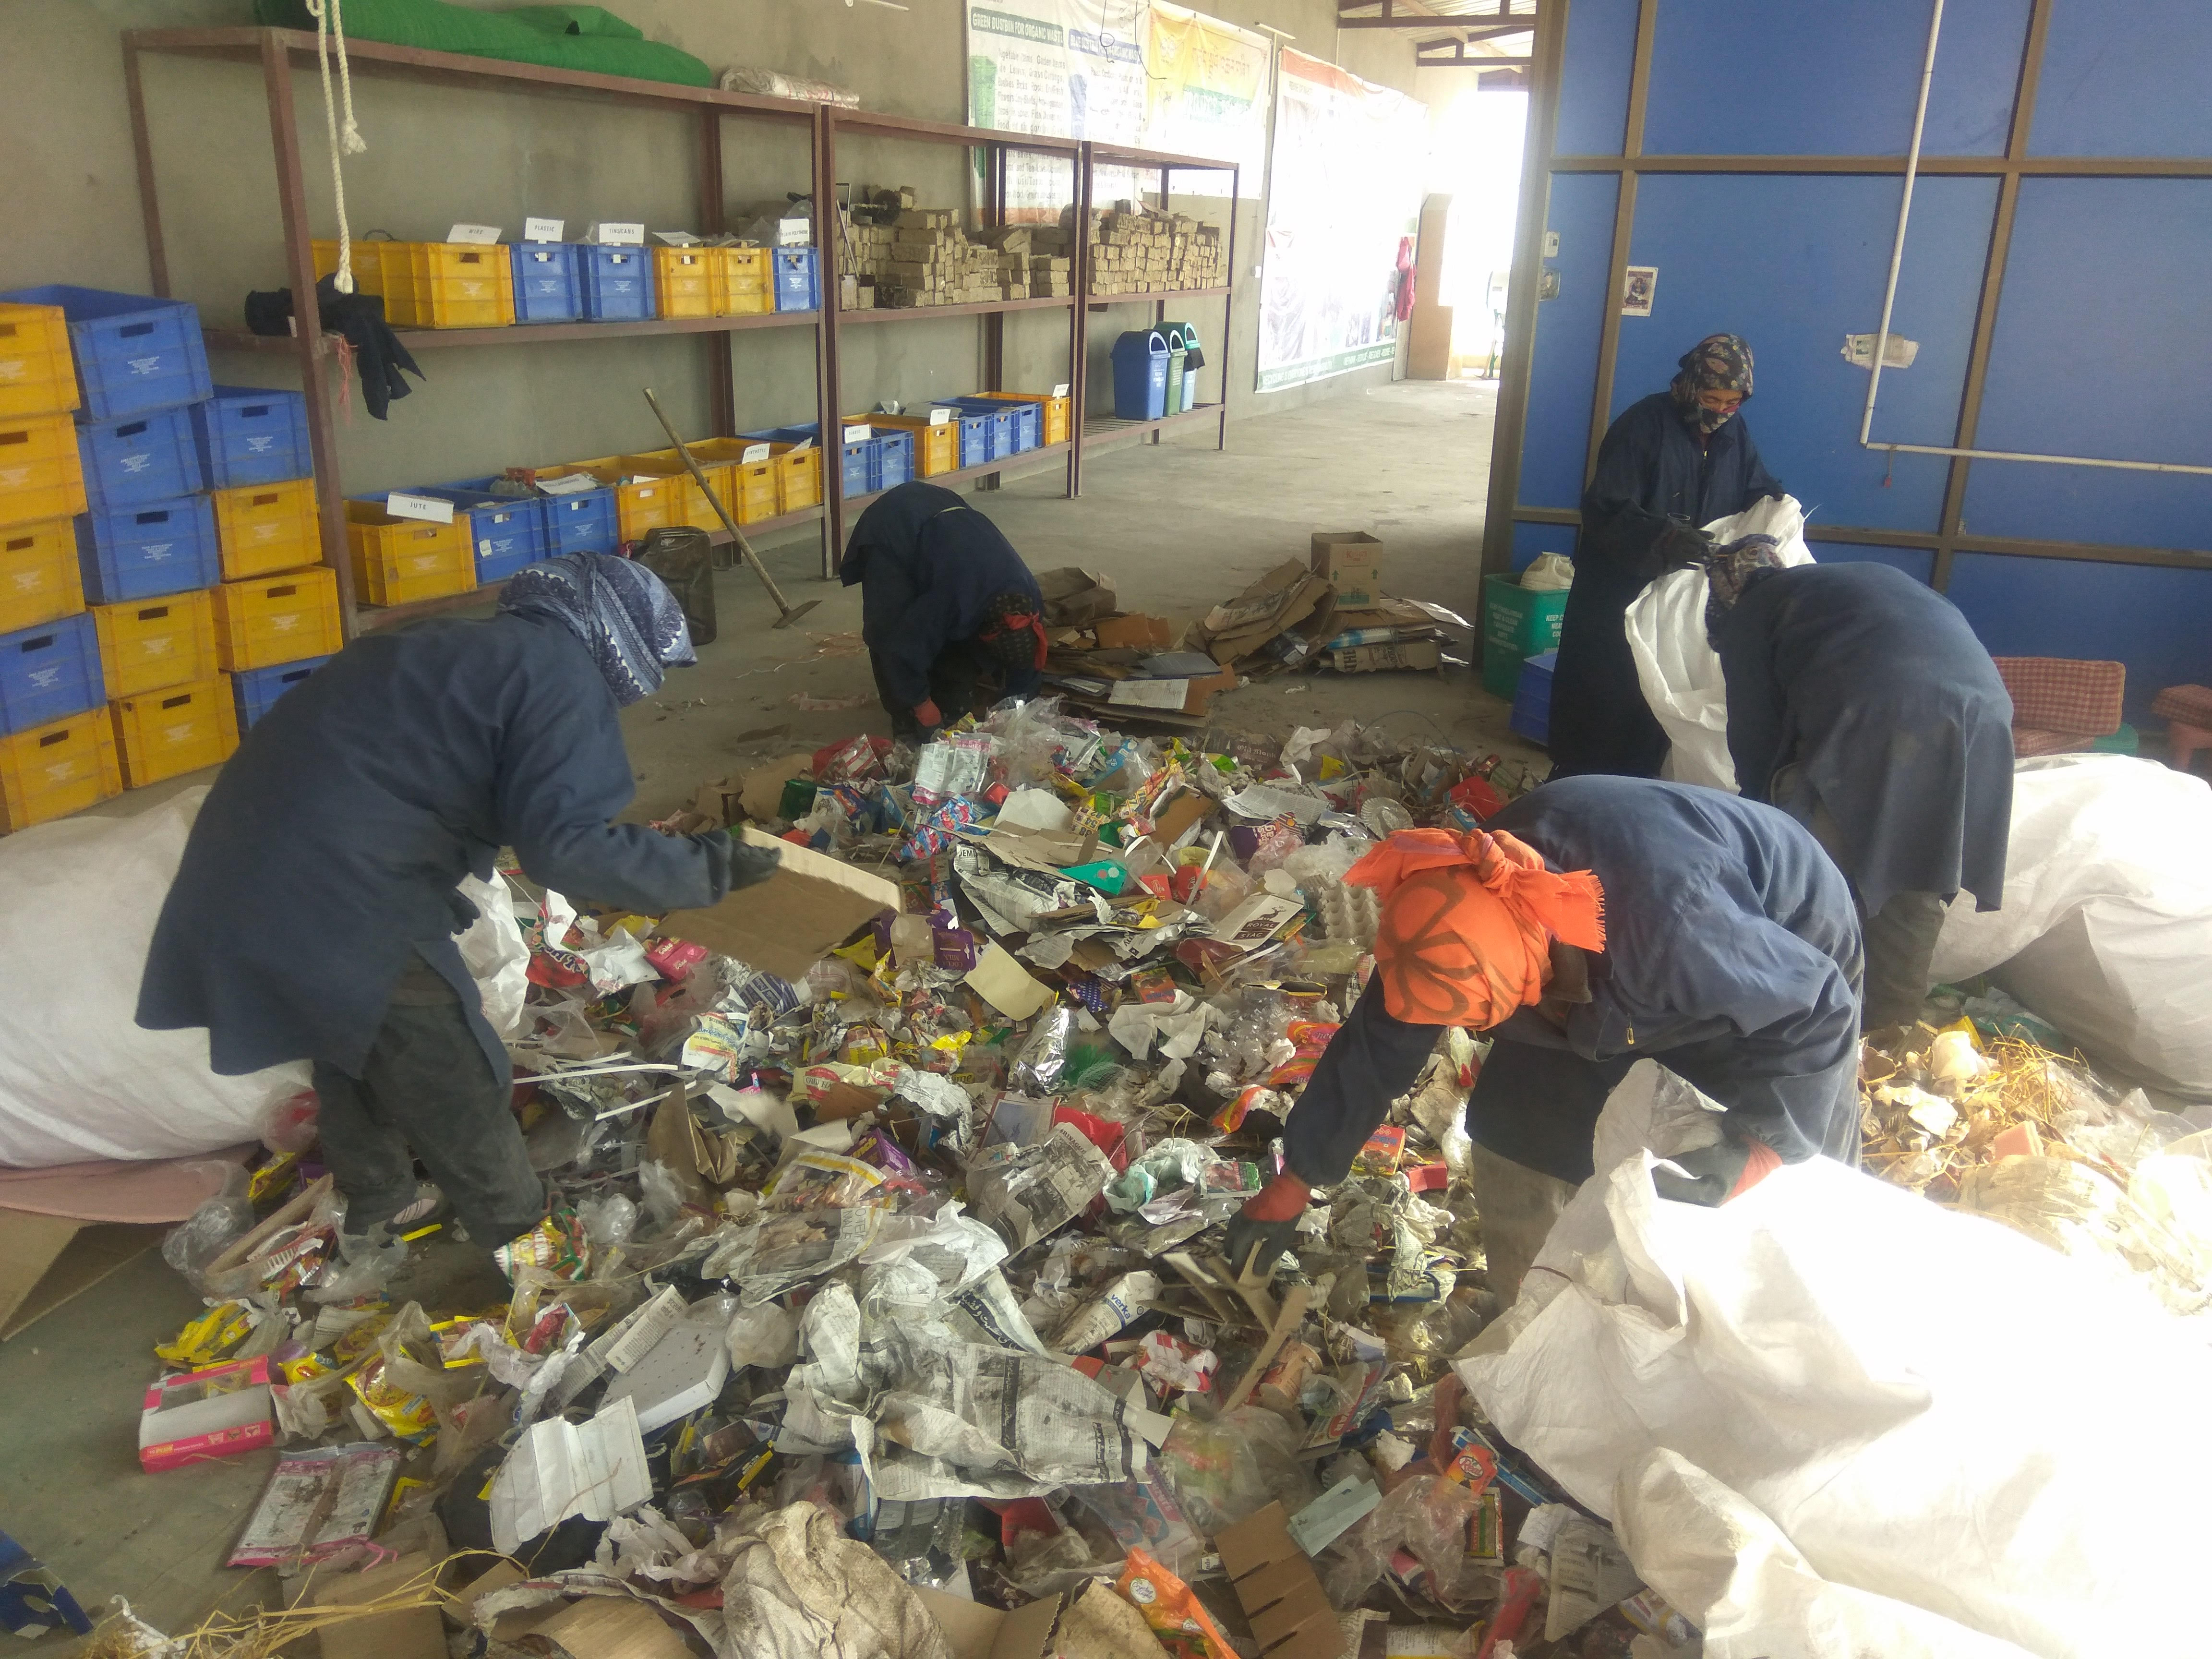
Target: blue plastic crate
(797, 279)
(975, 438)
(546, 289)
(49, 672)
(133, 353)
(1026, 422)
(1532, 698)
(249, 434)
(510, 531)
(153, 548)
(147, 458)
(862, 465)
(897, 458)
(254, 689)
(585, 522)
(616, 283)
(998, 431)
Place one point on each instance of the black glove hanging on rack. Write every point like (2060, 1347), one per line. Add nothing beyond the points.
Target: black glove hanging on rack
(378, 354)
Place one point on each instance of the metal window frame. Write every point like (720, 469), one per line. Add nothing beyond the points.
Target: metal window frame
(1541, 160)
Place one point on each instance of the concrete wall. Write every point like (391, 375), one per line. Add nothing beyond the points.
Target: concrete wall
(68, 195)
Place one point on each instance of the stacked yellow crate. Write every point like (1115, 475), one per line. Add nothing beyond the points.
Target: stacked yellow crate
(54, 759)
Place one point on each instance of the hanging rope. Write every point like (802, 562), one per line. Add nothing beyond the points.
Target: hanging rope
(330, 27)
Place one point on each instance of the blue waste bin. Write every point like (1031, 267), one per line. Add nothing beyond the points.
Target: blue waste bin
(1140, 375)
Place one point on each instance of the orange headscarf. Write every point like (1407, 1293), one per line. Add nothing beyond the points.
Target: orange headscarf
(1467, 922)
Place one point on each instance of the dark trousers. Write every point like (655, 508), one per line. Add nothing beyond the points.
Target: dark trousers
(426, 1085)
(966, 679)
(1899, 939)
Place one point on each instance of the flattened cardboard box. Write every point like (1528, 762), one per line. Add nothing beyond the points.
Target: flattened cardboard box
(789, 922)
(1278, 1589)
(1405, 653)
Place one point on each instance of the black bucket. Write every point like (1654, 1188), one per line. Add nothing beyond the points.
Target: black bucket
(684, 558)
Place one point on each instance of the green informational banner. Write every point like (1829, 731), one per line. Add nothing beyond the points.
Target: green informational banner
(1136, 73)
(1343, 204)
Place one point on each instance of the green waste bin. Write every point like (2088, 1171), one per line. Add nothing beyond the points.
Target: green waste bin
(1175, 353)
(1517, 623)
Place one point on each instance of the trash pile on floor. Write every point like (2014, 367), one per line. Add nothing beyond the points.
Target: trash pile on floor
(880, 1311)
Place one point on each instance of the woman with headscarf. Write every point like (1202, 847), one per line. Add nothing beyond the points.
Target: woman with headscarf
(952, 618)
(1861, 703)
(315, 912)
(1675, 461)
(1599, 921)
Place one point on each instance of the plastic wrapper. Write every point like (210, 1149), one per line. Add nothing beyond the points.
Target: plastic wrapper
(1144, 1514)
(1427, 1517)
(557, 1244)
(289, 1125)
(1118, 1305)
(1224, 1470)
(765, 1337)
(1179, 1618)
(211, 1229)
(607, 1220)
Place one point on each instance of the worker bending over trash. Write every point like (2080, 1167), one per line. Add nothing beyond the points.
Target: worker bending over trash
(1673, 461)
(952, 618)
(313, 914)
(1689, 926)
(1860, 702)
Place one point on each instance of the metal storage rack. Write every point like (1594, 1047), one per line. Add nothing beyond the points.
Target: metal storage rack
(280, 52)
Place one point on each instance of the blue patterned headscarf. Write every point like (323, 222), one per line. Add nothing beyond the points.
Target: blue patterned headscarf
(624, 613)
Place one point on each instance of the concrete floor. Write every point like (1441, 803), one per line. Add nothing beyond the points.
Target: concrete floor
(1178, 526)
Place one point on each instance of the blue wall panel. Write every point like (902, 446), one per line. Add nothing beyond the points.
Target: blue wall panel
(1918, 563)
(1750, 77)
(1557, 444)
(2124, 77)
(2101, 349)
(1793, 264)
(2150, 617)
(1600, 61)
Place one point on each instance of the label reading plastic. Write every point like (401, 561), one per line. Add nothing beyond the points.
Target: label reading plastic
(619, 235)
(543, 230)
(401, 505)
(754, 453)
(482, 233)
(859, 434)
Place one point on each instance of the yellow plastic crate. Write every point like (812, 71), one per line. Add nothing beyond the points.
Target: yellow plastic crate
(37, 374)
(51, 771)
(756, 489)
(1054, 426)
(166, 733)
(798, 477)
(146, 644)
(641, 505)
(743, 285)
(262, 528)
(39, 476)
(936, 448)
(718, 457)
(398, 561)
(458, 285)
(368, 270)
(683, 281)
(40, 581)
(690, 504)
(277, 619)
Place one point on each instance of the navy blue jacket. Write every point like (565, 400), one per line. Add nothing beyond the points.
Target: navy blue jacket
(1856, 688)
(928, 566)
(1732, 958)
(332, 844)
(1650, 471)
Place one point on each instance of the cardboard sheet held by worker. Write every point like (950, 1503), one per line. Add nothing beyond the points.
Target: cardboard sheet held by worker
(792, 920)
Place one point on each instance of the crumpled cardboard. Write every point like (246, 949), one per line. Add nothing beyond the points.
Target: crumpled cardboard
(1289, 596)
(788, 923)
(1278, 1589)
(1073, 598)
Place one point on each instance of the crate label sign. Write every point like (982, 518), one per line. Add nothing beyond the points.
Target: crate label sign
(857, 434)
(482, 234)
(619, 235)
(1060, 391)
(543, 230)
(401, 505)
(940, 417)
(754, 453)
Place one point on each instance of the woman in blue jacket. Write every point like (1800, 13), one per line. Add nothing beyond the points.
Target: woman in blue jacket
(952, 618)
(313, 914)
(1676, 460)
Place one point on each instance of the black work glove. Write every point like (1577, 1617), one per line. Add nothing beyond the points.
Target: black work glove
(378, 353)
(750, 864)
(1256, 1246)
(1679, 544)
(1717, 1173)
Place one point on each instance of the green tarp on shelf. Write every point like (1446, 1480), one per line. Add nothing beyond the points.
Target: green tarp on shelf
(584, 38)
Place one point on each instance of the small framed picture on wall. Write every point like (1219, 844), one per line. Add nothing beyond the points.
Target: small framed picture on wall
(1638, 286)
